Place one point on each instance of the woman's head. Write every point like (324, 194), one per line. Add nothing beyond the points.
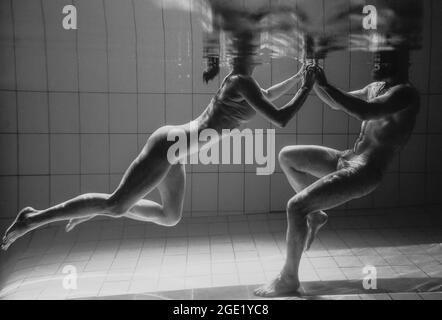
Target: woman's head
(212, 69)
(242, 50)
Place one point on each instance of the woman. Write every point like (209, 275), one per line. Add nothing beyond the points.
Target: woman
(235, 103)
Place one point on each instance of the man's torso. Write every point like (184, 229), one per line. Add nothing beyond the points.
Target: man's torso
(382, 138)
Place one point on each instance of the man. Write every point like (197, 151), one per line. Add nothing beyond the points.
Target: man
(325, 178)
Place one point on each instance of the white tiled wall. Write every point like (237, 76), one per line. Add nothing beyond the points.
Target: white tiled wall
(77, 106)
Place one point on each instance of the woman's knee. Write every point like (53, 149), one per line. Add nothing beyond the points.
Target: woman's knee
(116, 208)
(171, 219)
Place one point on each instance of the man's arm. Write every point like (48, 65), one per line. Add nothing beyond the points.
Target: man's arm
(322, 94)
(389, 103)
(252, 93)
(278, 90)
(361, 94)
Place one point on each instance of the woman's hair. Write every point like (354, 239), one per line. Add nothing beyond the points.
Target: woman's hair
(212, 69)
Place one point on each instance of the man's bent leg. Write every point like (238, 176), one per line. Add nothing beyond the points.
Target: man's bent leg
(328, 192)
(304, 165)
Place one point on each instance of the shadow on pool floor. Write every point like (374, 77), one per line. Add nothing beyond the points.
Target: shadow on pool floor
(312, 290)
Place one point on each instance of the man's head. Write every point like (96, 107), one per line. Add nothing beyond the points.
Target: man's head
(389, 65)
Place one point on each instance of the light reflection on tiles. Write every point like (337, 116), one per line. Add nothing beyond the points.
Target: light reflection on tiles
(108, 265)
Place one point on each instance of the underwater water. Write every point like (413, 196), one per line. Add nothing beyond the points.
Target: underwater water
(304, 29)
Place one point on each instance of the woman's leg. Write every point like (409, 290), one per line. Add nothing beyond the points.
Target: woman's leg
(172, 192)
(304, 165)
(143, 175)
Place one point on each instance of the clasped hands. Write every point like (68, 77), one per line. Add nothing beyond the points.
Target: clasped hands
(312, 73)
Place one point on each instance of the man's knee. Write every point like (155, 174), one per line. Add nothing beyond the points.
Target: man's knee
(289, 156)
(297, 207)
(282, 156)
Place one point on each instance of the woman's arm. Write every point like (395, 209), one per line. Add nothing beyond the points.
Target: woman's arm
(252, 93)
(278, 90)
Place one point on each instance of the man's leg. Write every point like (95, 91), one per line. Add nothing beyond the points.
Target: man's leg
(304, 165)
(328, 192)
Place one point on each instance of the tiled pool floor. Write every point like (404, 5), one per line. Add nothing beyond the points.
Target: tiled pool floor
(218, 258)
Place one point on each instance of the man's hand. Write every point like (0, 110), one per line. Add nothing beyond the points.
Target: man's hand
(309, 77)
(321, 79)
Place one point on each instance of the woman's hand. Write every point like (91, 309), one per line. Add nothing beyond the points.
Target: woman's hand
(301, 71)
(309, 77)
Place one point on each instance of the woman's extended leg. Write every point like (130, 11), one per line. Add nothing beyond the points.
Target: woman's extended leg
(143, 175)
(304, 165)
(172, 192)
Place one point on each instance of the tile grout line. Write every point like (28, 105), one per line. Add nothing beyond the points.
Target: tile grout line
(427, 122)
(17, 114)
(77, 53)
(109, 178)
(137, 78)
(45, 41)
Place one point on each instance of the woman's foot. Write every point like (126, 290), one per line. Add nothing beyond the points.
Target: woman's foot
(75, 222)
(315, 221)
(19, 228)
(282, 285)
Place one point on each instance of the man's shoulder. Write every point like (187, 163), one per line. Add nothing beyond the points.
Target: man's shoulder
(402, 87)
(407, 94)
(406, 90)
(406, 87)
(376, 84)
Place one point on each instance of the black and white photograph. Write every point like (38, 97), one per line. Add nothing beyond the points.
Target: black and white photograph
(250, 151)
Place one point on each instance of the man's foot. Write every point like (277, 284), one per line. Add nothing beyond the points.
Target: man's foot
(315, 221)
(18, 229)
(75, 222)
(282, 285)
